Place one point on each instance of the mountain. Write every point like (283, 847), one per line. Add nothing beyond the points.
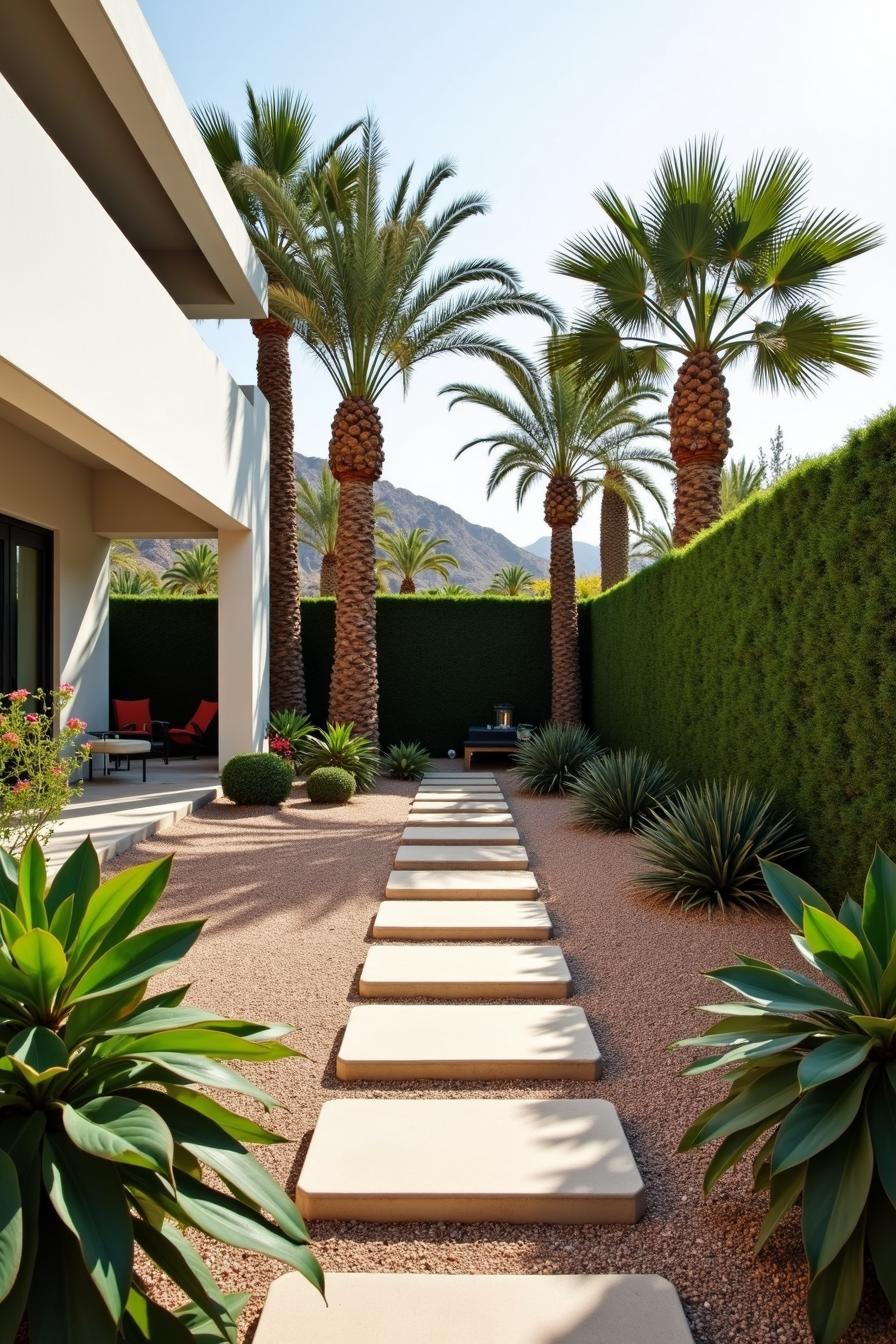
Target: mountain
(587, 556)
(480, 551)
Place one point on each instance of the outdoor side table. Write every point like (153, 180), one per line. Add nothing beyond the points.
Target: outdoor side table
(121, 747)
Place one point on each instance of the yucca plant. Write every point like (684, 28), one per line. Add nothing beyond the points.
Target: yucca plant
(812, 1075)
(288, 729)
(103, 1135)
(406, 760)
(702, 846)
(340, 745)
(553, 756)
(618, 790)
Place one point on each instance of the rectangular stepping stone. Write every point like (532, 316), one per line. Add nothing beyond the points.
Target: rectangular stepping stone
(459, 1040)
(465, 971)
(455, 777)
(527, 921)
(459, 818)
(469, 885)
(458, 805)
(499, 1308)
(460, 795)
(461, 856)
(460, 835)
(470, 1161)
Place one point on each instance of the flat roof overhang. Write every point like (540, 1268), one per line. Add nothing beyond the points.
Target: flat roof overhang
(92, 75)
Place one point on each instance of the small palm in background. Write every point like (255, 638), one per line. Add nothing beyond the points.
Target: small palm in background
(620, 466)
(512, 581)
(740, 480)
(317, 514)
(194, 572)
(408, 555)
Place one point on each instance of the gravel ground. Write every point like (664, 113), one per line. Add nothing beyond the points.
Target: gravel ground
(289, 897)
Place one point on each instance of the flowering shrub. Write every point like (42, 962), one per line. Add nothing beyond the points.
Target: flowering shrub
(36, 764)
(281, 747)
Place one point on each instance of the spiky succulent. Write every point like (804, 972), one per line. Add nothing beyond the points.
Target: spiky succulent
(406, 760)
(812, 1079)
(618, 790)
(702, 846)
(104, 1136)
(341, 746)
(553, 756)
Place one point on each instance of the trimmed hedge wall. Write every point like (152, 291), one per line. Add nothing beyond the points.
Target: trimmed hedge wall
(165, 648)
(767, 649)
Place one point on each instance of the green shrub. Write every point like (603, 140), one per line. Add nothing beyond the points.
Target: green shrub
(617, 790)
(104, 1139)
(703, 846)
(766, 650)
(339, 745)
(330, 784)
(257, 779)
(553, 756)
(406, 760)
(812, 1075)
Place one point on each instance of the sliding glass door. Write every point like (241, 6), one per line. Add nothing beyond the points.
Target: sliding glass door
(26, 605)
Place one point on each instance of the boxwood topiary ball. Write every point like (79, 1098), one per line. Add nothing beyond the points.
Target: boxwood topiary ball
(330, 784)
(257, 779)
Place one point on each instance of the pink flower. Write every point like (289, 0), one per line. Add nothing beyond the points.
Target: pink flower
(32, 718)
(76, 725)
(11, 739)
(22, 786)
(66, 688)
(19, 695)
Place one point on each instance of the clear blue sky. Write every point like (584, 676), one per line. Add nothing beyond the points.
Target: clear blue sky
(538, 104)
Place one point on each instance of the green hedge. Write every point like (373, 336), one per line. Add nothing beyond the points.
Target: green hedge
(767, 649)
(165, 648)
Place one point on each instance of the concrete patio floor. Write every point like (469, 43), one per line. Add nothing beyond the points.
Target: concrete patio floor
(118, 810)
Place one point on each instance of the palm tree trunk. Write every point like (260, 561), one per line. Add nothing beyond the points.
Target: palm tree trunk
(407, 585)
(328, 574)
(561, 509)
(700, 441)
(356, 460)
(613, 534)
(275, 381)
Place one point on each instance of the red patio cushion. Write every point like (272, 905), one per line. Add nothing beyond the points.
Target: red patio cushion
(132, 716)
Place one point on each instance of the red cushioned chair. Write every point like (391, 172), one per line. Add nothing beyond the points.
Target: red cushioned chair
(197, 733)
(133, 718)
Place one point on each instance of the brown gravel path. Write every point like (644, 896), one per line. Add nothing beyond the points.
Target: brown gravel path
(289, 897)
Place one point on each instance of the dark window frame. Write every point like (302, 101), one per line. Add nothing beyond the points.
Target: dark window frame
(14, 532)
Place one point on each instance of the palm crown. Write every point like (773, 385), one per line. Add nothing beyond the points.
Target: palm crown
(407, 555)
(195, 570)
(511, 581)
(317, 512)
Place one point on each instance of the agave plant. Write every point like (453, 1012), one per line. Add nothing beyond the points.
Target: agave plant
(618, 790)
(406, 760)
(103, 1136)
(340, 745)
(288, 730)
(812, 1075)
(551, 759)
(703, 846)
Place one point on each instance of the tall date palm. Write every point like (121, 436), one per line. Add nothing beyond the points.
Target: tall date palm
(551, 425)
(365, 297)
(276, 139)
(715, 268)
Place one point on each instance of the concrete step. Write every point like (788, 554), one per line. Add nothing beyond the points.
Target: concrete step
(459, 818)
(475, 805)
(456, 777)
(444, 885)
(461, 856)
(470, 1161)
(477, 1308)
(459, 795)
(476, 921)
(459, 1040)
(467, 971)
(460, 835)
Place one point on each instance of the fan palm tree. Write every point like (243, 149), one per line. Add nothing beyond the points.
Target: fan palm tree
(740, 480)
(511, 581)
(407, 555)
(551, 424)
(276, 139)
(366, 299)
(715, 269)
(619, 472)
(195, 571)
(317, 511)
